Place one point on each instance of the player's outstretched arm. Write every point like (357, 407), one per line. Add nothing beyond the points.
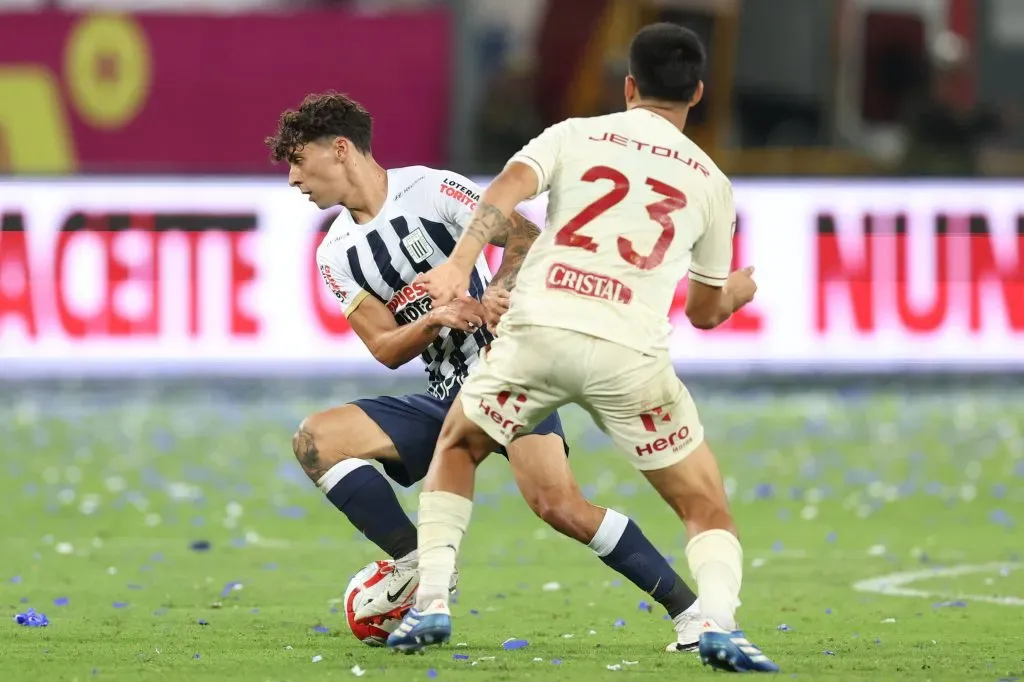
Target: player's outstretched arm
(393, 345)
(492, 218)
(521, 235)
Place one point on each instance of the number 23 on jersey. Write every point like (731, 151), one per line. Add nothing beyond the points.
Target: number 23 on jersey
(659, 211)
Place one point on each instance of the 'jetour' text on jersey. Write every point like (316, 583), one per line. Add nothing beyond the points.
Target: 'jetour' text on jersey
(416, 230)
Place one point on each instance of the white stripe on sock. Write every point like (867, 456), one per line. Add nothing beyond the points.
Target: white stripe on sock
(609, 532)
(338, 472)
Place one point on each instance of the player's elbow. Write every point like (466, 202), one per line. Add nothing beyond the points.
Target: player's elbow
(388, 358)
(703, 321)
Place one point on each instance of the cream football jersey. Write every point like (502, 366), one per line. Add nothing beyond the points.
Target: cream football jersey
(634, 207)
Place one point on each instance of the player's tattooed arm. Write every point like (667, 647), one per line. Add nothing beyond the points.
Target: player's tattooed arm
(521, 236)
(489, 225)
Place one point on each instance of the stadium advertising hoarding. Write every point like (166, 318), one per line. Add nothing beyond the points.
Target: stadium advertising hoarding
(190, 93)
(121, 275)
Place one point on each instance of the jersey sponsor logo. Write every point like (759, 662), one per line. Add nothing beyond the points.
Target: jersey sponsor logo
(507, 424)
(676, 440)
(332, 284)
(655, 150)
(651, 419)
(589, 284)
(443, 388)
(406, 295)
(406, 190)
(464, 195)
(417, 245)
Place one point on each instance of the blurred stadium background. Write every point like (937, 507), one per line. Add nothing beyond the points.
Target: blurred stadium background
(163, 327)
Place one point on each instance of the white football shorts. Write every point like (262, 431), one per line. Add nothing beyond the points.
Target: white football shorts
(637, 399)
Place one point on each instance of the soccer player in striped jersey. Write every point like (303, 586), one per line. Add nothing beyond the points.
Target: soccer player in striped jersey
(394, 225)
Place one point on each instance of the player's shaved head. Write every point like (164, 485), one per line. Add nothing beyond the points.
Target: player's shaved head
(667, 62)
(326, 115)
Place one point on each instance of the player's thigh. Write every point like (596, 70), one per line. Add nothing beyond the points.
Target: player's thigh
(347, 432)
(694, 489)
(510, 392)
(412, 423)
(643, 406)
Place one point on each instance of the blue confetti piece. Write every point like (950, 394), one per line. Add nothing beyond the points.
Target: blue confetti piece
(161, 611)
(134, 587)
(200, 546)
(644, 606)
(120, 605)
(32, 619)
(556, 661)
(949, 604)
(764, 491)
(616, 583)
(460, 657)
(61, 601)
(785, 628)
(828, 653)
(830, 538)
(513, 644)
(228, 587)
(777, 546)
(237, 542)
(878, 641)
(431, 673)
(292, 512)
(1000, 517)
(15, 580)
(334, 609)
(474, 612)
(203, 622)
(255, 611)
(195, 657)
(322, 629)
(270, 567)
(619, 623)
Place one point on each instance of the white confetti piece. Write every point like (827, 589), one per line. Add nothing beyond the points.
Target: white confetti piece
(551, 587)
(889, 620)
(568, 635)
(357, 671)
(757, 563)
(614, 666)
(876, 550)
(318, 658)
(64, 548)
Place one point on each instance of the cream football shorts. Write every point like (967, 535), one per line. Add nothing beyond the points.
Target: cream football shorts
(637, 399)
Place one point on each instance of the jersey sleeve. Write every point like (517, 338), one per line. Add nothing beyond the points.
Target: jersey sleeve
(339, 280)
(541, 154)
(712, 254)
(456, 199)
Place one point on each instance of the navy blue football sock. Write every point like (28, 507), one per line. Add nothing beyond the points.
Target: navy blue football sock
(622, 546)
(368, 500)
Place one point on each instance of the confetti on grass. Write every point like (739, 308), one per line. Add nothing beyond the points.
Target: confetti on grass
(200, 546)
(61, 601)
(32, 619)
(513, 644)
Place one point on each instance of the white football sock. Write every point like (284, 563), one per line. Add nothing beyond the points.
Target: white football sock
(608, 534)
(716, 561)
(443, 519)
(408, 561)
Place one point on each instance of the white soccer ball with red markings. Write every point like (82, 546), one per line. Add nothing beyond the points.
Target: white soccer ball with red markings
(375, 632)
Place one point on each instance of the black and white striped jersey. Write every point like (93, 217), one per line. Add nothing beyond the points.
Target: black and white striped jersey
(425, 213)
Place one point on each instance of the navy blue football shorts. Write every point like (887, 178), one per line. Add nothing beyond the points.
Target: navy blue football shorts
(413, 423)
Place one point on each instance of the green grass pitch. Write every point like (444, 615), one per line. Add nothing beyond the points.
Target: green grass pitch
(916, 498)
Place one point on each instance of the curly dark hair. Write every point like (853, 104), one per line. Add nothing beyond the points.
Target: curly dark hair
(330, 114)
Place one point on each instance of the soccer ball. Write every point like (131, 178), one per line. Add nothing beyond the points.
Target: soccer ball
(375, 632)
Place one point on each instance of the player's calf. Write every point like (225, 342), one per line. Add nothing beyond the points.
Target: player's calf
(334, 448)
(693, 488)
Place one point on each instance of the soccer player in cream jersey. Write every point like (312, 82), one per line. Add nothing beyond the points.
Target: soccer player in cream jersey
(634, 206)
(393, 225)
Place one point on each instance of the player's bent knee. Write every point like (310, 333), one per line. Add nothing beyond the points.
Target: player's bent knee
(564, 510)
(315, 444)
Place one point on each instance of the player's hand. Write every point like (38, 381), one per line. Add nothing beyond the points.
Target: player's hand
(445, 283)
(464, 314)
(742, 286)
(495, 302)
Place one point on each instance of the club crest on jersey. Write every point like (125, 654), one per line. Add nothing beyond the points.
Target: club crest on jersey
(417, 245)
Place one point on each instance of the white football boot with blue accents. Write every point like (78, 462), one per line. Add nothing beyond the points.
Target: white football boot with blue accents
(732, 651)
(419, 629)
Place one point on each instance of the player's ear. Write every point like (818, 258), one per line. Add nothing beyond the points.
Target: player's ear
(630, 90)
(340, 147)
(698, 94)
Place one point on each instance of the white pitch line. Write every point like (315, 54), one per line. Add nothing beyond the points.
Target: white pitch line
(894, 584)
